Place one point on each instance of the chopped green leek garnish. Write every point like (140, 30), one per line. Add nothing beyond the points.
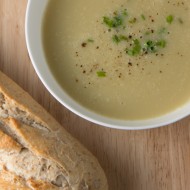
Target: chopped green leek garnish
(143, 17)
(119, 38)
(136, 48)
(169, 19)
(152, 46)
(116, 39)
(114, 22)
(146, 42)
(125, 12)
(90, 40)
(161, 43)
(101, 73)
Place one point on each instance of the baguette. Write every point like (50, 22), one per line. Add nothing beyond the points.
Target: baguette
(36, 152)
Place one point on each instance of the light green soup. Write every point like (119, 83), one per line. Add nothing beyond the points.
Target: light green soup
(125, 59)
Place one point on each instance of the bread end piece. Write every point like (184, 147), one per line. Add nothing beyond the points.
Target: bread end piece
(28, 126)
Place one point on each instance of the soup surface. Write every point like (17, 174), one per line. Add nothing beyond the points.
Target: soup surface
(125, 59)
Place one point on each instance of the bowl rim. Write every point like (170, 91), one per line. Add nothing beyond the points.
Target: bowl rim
(102, 120)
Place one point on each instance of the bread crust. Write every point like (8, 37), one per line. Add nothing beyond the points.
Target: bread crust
(50, 141)
(10, 181)
(8, 144)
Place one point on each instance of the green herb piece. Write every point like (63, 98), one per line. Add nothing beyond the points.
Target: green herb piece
(116, 39)
(169, 19)
(119, 38)
(136, 48)
(161, 43)
(101, 73)
(130, 52)
(90, 40)
(180, 20)
(117, 21)
(114, 22)
(133, 20)
(150, 46)
(124, 12)
(143, 17)
(108, 21)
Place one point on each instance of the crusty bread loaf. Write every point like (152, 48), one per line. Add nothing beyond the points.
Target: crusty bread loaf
(36, 152)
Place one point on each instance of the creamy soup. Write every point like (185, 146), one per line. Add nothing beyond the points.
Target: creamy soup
(125, 59)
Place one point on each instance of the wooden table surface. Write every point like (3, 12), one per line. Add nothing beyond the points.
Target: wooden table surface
(156, 159)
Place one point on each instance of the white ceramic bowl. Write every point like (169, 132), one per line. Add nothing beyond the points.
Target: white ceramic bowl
(33, 29)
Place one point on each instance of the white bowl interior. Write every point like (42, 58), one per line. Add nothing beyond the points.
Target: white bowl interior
(33, 29)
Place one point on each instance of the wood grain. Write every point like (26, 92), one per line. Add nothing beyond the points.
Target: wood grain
(157, 159)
